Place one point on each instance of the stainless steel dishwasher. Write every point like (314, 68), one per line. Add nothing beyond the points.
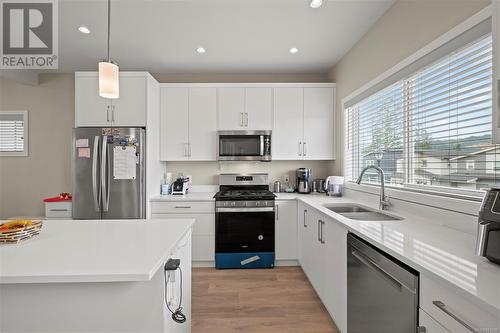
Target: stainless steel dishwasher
(382, 293)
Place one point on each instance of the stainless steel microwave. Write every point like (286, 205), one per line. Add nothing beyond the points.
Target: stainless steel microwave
(244, 146)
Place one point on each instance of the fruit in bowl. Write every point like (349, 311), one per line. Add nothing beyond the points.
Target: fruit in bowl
(15, 224)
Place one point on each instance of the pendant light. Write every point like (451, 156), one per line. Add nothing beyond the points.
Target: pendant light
(109, 84)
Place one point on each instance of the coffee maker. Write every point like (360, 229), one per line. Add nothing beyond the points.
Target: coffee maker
(304, 177)
(488, 232)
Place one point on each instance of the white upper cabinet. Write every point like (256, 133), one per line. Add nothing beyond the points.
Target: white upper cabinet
(303, 123)
(318, 124)
(90, 109)
(202, 124)
(174, 119)
(231, 108)
(245, 108)
(130, 109)
(258, 108)
(288, 122)
(188, 124)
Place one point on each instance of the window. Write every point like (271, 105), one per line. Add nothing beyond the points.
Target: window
(431, 127)
(13, 133)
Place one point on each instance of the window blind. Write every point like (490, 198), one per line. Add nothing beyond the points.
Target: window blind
(433, 127)
(12, 132)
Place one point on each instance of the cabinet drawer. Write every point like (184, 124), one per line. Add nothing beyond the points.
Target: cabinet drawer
(58, 210)
(430, 325)
(453, 311)
(204, 225)
(183, 207)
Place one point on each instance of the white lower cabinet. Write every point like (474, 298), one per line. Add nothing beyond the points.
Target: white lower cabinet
(428, 324)
(452, 311)
(203, 229)
(286, 230)
(323, 257)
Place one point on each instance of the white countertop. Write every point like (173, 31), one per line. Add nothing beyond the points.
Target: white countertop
(194, 196)
(437, 251)
(92, 251)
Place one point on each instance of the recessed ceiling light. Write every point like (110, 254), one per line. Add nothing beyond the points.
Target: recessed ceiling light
(201, 50)
(316, 3)
(293, 50)
(84, 30)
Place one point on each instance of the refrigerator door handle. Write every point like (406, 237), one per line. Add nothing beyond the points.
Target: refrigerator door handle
(95, 191)
(104, 159)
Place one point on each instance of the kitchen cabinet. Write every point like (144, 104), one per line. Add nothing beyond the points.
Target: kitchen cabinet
(241, 108)
(203, 212)
(429, 324)
(286, 229)
(188, 123)
(452, 311)
(129, 110)
(323, 257)
(303, 123)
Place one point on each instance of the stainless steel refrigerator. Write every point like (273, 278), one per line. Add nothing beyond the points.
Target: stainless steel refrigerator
(109, 173)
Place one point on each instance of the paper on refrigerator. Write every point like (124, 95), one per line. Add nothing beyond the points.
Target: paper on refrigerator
(124, 162)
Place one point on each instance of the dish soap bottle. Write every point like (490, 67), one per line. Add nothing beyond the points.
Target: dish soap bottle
(165, 186)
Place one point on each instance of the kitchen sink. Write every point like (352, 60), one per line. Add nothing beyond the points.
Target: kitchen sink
(360, 213)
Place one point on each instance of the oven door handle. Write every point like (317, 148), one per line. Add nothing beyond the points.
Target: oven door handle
(244, 209)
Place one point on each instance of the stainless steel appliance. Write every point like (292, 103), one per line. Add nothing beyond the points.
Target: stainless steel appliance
(319, 185)
(108, 173)
(277, 187)
(180, 186)
(244, 146)
(382, 293)
(488, 232)
(304, 177)
(244, 222)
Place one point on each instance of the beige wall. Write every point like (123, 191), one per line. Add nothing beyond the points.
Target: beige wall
(206, 173)
(25, 181)
(405, 28)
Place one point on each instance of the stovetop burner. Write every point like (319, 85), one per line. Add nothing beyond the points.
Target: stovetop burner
(244, 195)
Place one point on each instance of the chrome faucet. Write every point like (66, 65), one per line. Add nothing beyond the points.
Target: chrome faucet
(384, 200)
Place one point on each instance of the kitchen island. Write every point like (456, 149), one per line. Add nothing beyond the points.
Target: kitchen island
(95, 276)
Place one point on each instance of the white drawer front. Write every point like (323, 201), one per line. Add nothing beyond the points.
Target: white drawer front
(183, 207)
(430, 325)
(204, 225)
(455, 312)
(58, 210)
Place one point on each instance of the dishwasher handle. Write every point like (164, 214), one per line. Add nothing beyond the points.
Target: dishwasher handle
(376, 268)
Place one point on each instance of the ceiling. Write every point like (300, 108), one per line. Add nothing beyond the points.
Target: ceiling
(240, 36)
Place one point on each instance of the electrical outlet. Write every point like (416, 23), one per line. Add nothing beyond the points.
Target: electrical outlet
(286, 178)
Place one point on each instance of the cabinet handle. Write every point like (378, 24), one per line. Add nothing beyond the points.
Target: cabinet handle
(441, 306)
(185, 149)
(241, 119)
(322, 225)
(189, 149)
(112, 113)
(304, 150)
(319, 232)
(185, 207)
(107, 113)
(277, 211)
(299, 148)
(246, 119)
(305, 211)
(58, 210)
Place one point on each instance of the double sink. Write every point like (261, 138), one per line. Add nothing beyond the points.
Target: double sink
(360, 213)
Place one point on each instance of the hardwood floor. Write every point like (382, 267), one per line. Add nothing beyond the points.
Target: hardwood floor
(261, 300)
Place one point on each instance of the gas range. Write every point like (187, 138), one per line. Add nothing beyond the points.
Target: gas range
(244, 222)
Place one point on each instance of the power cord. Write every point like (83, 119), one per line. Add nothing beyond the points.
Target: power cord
(173, 265)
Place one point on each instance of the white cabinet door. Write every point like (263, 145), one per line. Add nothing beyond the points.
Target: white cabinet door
(301, 231)
(91, 110)
(430, 325)
(231, 108)
(335, 277)
(288, 124)
(202, 124)
(174, 124)
(313, 252)
(258, 108)
(130, 109)
(318, 123)
(286, 229)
